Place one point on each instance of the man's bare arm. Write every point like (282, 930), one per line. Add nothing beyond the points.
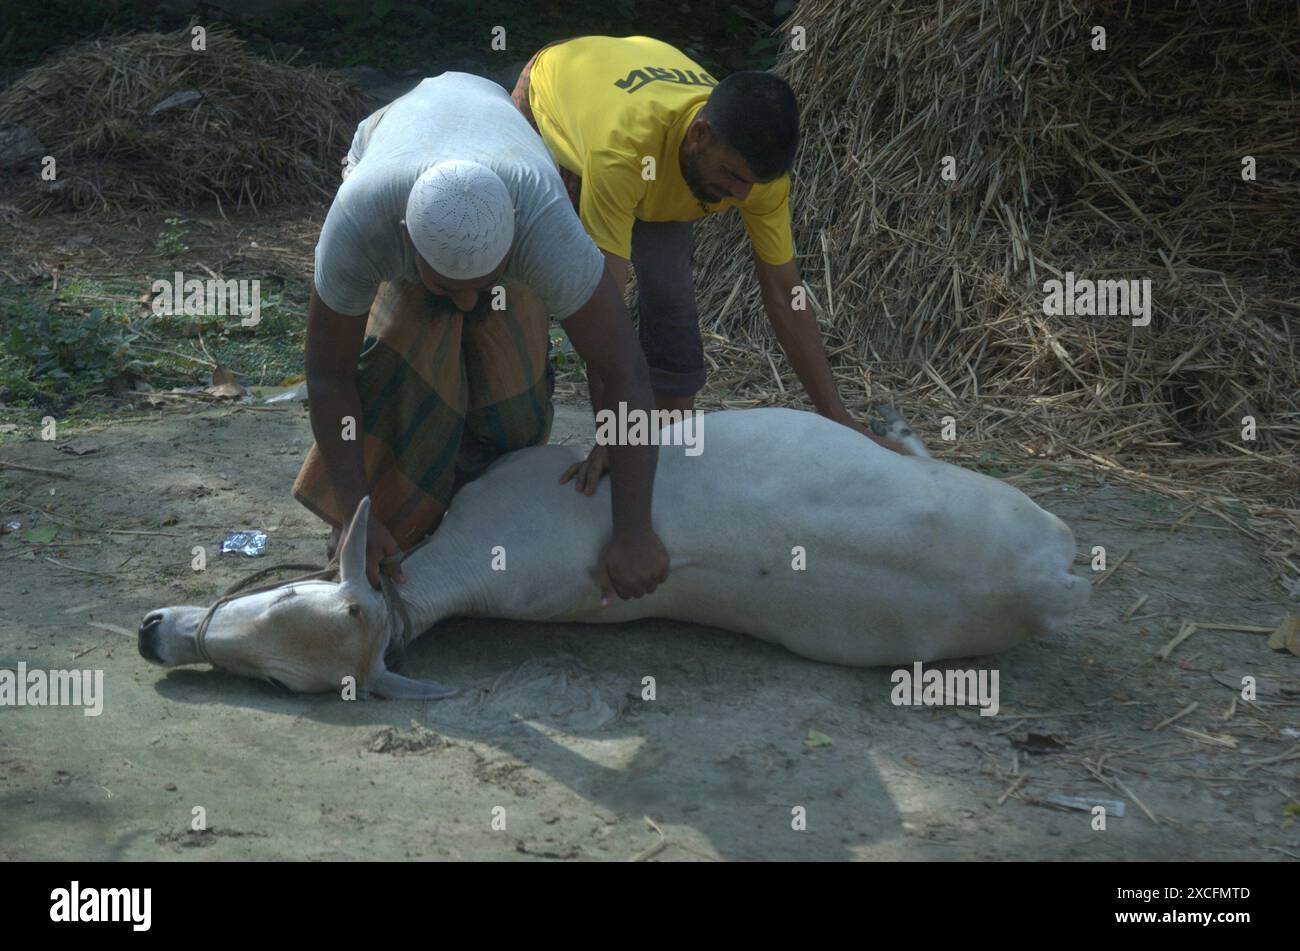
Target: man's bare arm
(602, 334)
(616, 268)
(799, 335)
(801, 339)
(333, 346)
(634, 563)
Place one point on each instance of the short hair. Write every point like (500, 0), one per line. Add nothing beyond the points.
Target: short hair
(756, 114)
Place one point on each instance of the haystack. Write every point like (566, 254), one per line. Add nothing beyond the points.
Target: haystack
(146, 122)
(1122, 163)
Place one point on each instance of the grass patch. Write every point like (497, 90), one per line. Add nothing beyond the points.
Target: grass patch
(988, 464)
(569, 367)
(74, 349)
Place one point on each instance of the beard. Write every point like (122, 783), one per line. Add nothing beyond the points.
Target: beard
(482, 307)
(699, 190)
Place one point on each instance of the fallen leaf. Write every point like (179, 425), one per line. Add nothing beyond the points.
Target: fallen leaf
(1287, 635)
(42, 535)
(224, 386)
(78, 449)
(221, 374)
(225, 391)
(815, 739)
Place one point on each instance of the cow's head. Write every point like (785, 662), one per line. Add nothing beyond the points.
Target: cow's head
(307, 636)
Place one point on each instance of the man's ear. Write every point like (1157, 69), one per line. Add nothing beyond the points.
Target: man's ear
(699, 133)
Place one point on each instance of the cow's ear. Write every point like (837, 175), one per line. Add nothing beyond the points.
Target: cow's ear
(393, 686)
(352, 560)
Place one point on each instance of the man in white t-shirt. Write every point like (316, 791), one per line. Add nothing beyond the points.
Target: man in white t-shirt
(449, 245)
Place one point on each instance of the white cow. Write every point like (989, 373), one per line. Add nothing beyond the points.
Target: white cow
(787, 527)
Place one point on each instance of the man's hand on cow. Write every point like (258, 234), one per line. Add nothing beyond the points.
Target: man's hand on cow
(631, 566)
(380, 544)
(857, 427)
(589, 471)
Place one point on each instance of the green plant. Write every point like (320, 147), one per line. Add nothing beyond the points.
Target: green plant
(985, 465)
(562, 353)
(170, 240)
(763, 52)
(50, 350)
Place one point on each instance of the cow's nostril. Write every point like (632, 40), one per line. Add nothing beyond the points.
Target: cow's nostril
(147, 643)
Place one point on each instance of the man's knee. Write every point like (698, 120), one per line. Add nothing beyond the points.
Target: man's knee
(518, 422)
(674, 349)
(667, 315)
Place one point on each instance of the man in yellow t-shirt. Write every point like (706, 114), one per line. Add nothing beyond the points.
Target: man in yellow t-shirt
(647, 143)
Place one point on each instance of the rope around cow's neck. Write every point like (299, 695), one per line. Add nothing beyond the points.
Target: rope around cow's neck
(396, 607)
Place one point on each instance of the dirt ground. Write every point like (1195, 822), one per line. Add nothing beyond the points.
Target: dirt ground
(550, 725)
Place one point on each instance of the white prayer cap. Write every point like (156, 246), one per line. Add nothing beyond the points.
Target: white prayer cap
(461, 219)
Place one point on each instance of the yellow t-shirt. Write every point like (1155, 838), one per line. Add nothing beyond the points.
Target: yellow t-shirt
(603, 104)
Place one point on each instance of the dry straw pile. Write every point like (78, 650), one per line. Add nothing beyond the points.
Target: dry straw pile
(238, 128)
(1117, 164)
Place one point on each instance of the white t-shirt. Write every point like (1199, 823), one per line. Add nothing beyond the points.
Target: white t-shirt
(452, 116)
